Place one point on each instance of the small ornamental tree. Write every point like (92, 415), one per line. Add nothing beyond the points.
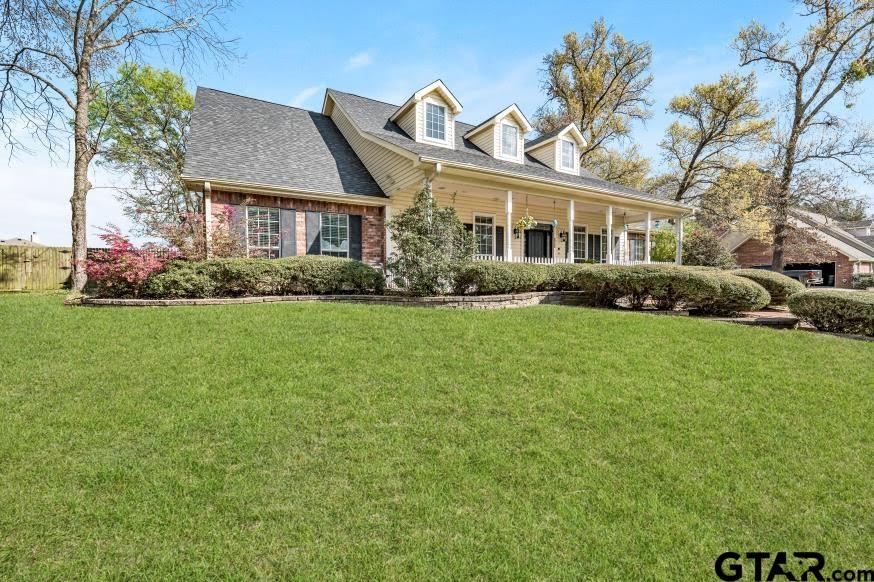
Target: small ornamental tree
(431, 246)
(187, 235)
(702, 248)
(121, 270)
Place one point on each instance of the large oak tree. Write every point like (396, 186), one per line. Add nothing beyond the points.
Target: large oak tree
(600, 81)
(813, 138)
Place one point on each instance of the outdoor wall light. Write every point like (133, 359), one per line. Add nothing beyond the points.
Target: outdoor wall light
(563, 236)
(517, 234)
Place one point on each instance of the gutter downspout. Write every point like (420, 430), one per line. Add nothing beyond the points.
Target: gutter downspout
(207, 218)
(438, 168)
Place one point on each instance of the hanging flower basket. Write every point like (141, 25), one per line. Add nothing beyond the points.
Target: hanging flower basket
(526, 222)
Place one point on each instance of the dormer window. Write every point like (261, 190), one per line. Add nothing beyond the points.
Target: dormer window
(435, 121)
(568, 154)
(509, 140)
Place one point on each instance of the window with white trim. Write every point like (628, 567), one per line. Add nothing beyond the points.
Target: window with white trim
(262, 232)
(568, 154)
(435, 121)
(335, 234)
(509, 140)
(579, 244)
(484, 232)
(636, 246)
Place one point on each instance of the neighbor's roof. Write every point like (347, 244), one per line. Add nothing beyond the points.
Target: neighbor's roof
(240, 139)
(856, 223)
(831, 228)
(853, 247)
(372, 117)
(20, 242)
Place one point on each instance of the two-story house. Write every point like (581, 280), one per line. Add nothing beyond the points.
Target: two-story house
(300, 182)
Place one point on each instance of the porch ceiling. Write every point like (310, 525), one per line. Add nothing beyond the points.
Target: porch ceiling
(628, 215)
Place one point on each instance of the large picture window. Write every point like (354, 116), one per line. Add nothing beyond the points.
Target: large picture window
(435, 121)
(335, 234)
(484, 231)
(579, 244)
(509, 140)
(262, 232)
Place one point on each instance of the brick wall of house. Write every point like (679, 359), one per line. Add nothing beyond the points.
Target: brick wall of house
(756, 253)
(372, 218)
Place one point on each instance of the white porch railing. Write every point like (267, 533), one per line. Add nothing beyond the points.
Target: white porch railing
(553, 261)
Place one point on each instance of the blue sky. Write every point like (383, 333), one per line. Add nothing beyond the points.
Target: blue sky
(488, 53)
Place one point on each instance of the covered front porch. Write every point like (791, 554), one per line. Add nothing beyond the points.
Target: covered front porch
(567, 228)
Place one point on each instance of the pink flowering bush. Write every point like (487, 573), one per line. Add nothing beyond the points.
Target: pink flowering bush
(121, 270)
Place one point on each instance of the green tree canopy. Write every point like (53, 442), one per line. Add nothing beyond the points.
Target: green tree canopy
(143, 119)
(716, 121)
(600, 81)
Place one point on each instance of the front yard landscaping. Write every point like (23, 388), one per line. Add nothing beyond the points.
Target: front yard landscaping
(352, 441)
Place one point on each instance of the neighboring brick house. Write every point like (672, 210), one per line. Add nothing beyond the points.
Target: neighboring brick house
(301, 182)
(840, 255)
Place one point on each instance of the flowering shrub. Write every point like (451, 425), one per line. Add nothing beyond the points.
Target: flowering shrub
(121, 270)
(187, 235)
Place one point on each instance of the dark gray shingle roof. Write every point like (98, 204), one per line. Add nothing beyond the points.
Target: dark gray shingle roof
(247, 140)
(373, 117)
(543, 137)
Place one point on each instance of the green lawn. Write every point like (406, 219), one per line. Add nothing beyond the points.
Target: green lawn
(344, 441)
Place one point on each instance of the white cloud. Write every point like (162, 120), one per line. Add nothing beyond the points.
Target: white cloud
(358, 61)
(304, 95)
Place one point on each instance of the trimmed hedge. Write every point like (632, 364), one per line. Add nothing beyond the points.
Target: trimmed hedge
(778, 285)
(304, 275)
(496, 277)
(706, 289)
(836, 311)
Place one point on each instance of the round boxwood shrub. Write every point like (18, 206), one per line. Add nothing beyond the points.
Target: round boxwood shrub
(836, 311)
(497, 277)
(706, 289)
(779, 286)
(304, 275)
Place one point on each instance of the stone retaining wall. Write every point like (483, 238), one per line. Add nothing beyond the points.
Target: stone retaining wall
(452, 301)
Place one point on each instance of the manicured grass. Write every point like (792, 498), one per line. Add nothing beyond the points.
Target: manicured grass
(321, 440)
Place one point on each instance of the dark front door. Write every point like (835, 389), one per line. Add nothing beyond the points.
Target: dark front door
(538, 243)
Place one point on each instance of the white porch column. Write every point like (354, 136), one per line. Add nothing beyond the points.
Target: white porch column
(678, 229)
(647, 258)
(508, 227)
(609, 235)
(207, 218)
(570, 231)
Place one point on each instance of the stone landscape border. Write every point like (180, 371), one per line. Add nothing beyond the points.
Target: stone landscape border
(449, 301)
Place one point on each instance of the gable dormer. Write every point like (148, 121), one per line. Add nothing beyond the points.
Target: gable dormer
(502, 136)
(559, 149)
(429, 115)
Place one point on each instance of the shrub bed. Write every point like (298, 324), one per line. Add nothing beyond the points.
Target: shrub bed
(305, 275)
(779, 286)
(496, 277)
(836, 311)
(709, 290)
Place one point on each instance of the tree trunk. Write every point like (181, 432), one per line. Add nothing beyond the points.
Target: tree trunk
(782, 204)
(83, 154)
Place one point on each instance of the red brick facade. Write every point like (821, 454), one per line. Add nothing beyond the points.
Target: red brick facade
(756, 253)
(372, 218)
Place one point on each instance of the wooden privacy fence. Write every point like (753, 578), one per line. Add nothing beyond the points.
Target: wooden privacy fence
(24, 268)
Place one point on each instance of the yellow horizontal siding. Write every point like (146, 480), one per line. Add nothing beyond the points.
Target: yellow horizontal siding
(391, 171)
